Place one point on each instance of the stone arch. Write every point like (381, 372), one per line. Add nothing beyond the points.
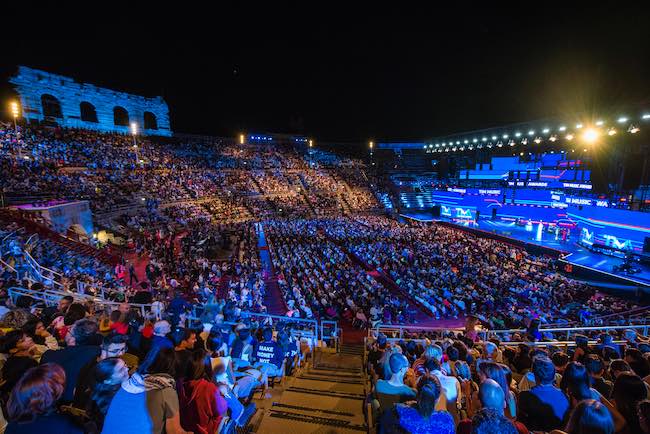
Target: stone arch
(150, 121)
(51, 106)
(120, 116)
(88, 112)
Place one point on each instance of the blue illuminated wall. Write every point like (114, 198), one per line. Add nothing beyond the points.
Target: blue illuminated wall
(32, 84)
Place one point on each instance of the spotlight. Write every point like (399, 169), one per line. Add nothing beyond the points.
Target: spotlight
(484, 139)
(633, 129)
(611, 132)
(578, 126)
(562, 128)
(646, 116)
(524, 141)
(538, 140)
(531, 132)
(553, 138)
(569, 136)
(517, 134)
(505, 136)
(545, 130)
(599, 123)
(590, 135)
(494, 137)
(622, 120)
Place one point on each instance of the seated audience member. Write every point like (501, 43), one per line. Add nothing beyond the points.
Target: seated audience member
(201, 405)
(147, 402)
(268, 357)
(81, 350)
(242, 348)
(489, 421)
(643, 412)
(419, 416)
(575, 384)
(451, 393)
(629, 390)
(589, 417)
(637, 362)
(32, 406)
(596, 369)
(491, 397)
(543, 407)
(394, 389)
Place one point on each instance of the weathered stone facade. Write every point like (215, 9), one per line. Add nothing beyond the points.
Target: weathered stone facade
(46, 97)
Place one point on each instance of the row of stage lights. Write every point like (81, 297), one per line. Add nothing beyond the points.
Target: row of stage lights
(589, 135)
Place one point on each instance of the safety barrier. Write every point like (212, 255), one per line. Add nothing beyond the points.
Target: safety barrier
(51, 297)
(400, 330)
(568, 331)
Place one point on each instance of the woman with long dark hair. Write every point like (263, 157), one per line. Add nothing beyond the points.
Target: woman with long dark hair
(589, 417)
(109, 374)
(575, 384)
(629, 389)
(201, 405)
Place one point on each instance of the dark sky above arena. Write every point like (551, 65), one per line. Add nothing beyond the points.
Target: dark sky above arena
(339, 74)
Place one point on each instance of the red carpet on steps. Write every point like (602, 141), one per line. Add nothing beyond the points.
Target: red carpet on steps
(273, 300)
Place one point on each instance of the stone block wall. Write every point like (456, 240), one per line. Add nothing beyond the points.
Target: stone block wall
(31, 84)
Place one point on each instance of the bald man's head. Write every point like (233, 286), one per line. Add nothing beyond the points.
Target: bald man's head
(492, 396)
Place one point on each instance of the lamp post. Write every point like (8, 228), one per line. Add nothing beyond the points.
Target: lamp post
(15, 111)
(311, 145)
(134, 132)
(371, 145)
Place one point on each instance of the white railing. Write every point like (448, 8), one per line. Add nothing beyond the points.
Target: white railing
(51, 297)
(43, 274)
(568, 331)
(392, 329)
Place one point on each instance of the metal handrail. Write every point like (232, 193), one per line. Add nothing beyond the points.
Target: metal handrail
(52, 297)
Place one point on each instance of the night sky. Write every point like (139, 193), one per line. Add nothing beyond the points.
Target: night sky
(341, 75)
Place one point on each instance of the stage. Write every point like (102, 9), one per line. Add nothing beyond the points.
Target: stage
(585, 264)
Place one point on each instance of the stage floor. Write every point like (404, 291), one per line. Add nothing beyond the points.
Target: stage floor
(575, 254)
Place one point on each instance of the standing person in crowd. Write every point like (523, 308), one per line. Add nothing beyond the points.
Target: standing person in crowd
(161, 329)
(32, 406)
(21, 351)
(147, 403)
(184, 342)
(201, 405)
(82, 349)
(108, 375)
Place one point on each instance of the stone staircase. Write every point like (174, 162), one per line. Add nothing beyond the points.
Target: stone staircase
(327, 396)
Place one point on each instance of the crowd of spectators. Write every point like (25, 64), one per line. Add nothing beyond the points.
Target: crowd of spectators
(449, 383)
